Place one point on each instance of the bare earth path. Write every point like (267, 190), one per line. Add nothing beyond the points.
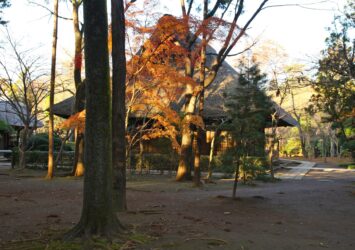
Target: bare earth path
(315, 212)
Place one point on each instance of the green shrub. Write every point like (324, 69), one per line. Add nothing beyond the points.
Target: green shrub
(39, 159)
(39, 142)
(351, 166)
(156, 161)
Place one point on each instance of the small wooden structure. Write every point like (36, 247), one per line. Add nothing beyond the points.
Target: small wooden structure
(10, 138)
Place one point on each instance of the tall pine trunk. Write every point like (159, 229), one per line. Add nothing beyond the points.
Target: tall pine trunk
(118, 103)
(98, 216)
(51, 95)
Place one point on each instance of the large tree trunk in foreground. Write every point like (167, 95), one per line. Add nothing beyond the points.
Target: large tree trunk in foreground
(51, 95)
(118, 103)
(97, 216)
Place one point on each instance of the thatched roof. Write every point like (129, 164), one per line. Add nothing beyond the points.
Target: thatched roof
(64, 108)
(9, 115)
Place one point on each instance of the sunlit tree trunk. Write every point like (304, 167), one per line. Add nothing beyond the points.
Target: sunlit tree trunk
(184, 168)
(79, 154)
(197, 168)
(98, 216)
(51, 95)
(78, 168)
(118, 103)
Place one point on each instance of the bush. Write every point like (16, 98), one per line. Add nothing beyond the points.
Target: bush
(251, 167)
(39, 159)
(156, 161)
(39, 142)
(351, 166)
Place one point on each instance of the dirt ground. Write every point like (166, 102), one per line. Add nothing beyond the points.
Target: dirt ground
(313, 213)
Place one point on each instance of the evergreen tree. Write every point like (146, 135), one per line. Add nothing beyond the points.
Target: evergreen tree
(248, 107)
(334, 87)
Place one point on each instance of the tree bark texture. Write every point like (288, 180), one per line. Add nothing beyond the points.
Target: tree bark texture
(118, 103)
(51, 94)
(98, 216)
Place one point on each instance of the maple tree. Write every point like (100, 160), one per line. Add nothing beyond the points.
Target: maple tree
(213, 23)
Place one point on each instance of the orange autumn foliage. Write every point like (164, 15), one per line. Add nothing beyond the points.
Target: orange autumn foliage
(155, 81)
(75, 121)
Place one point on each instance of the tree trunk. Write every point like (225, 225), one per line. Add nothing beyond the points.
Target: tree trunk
(236, 177)
(118, 103)
(98, 216)
(51, 95)
(197, 170)
(78, 167)
(140, 158)
(22, 147)
(79, 153)
(271, 149)
(184, 169)
(59, 155)
(303, 141)
(210, 159)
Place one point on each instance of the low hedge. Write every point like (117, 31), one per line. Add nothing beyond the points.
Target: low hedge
(39, 159)
(39, 142)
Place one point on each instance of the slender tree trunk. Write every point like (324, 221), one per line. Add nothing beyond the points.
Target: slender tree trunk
(79, 153)
(303, 141)
(78, 167)
(197, 156)
(236, 177)
(140, 160)
(98, 216)
(210, 159)
(51, 94)
(118, 103)
(59, 155)
(22, 147)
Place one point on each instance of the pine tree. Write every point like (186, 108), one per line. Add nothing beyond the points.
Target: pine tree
(248, 107)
